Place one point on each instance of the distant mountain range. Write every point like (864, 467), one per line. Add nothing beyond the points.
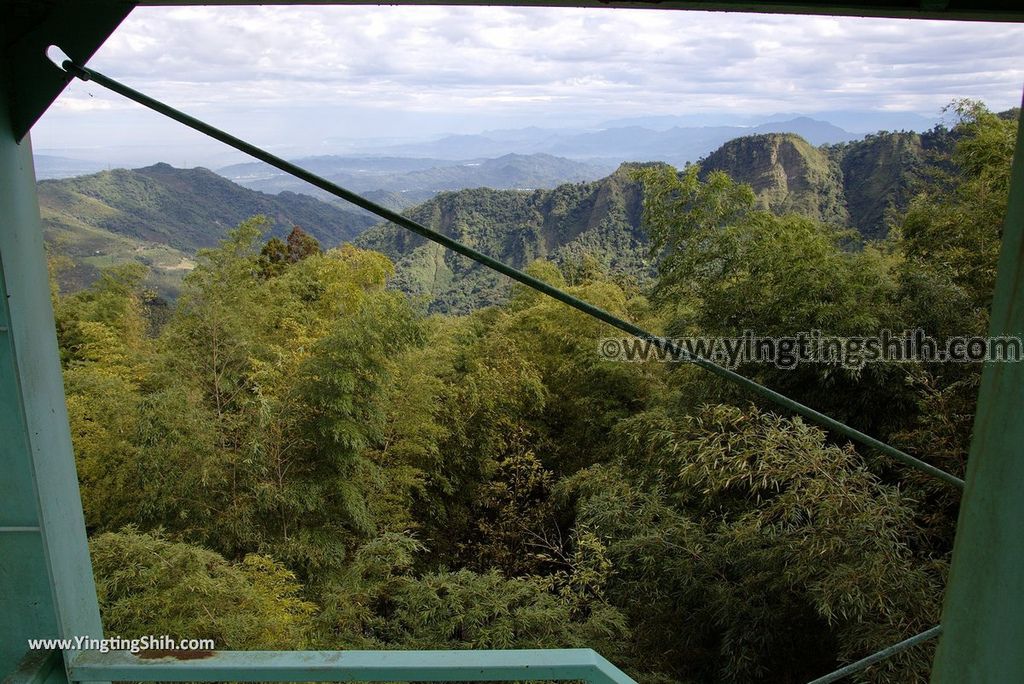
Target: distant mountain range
(412, 180)
(676, 144)
(675, 139)
(858, 122)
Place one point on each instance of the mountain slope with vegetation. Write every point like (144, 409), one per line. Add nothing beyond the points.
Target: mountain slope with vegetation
(860, 185)
(882, 172)
(573, 225)
(160, 215)
(787, 173)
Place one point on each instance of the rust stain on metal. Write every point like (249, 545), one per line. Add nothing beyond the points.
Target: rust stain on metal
(177, 654)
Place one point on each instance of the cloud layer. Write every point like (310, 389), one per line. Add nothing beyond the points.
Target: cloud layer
(385, 71)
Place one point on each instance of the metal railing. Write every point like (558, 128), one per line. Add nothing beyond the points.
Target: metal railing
(569, 664)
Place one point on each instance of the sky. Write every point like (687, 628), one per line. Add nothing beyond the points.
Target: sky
(319, 80)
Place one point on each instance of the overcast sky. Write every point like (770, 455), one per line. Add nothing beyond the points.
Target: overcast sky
(304, 79)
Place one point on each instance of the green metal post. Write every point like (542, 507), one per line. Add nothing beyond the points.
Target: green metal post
(46, 584)
(983, 615)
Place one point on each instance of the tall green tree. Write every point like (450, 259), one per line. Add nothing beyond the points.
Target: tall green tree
(950, 240)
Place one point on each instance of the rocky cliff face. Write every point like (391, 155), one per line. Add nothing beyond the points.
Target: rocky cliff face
(598, 220)
(882, 172)
(862, 185)
(788, 174)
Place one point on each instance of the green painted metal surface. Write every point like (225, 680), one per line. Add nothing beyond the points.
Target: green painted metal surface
(79, 27)
(349, 666)
(46, 584)
(26, 606)
(879, 656)
(984, 606)
(969, 10)
(39, 667)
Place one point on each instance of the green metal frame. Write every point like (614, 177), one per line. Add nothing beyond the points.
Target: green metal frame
(578, 664)
(46, 583)
(28, 29)
(46, 586)
(984, 605)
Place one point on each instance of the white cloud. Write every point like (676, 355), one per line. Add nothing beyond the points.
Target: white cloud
(477, 64)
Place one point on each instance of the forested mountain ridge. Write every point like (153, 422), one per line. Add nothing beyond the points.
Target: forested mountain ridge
(858, 185)
(882, 172)
(573, 223)
(160, 215)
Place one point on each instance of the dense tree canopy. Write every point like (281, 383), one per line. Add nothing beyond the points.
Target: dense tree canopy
(300, 456)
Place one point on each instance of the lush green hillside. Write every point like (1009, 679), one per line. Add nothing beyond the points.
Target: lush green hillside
(788, 174)
(160, 215)
(854, 185)
(570, 224)
(882, 171)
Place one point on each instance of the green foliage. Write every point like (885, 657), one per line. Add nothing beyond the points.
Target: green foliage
(248, 428)
(298, 456)
(729, 270)
(278, 253)
(379, 604)
(950, 239)
(106, 359)
(273, 257)
(779, 551)
(514, 516)
(149, 585)
(598, 220)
